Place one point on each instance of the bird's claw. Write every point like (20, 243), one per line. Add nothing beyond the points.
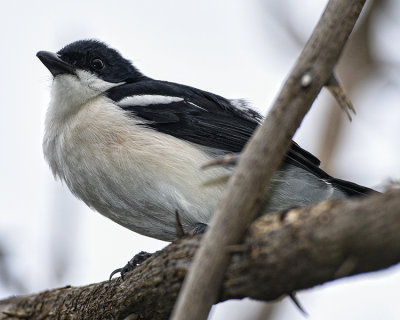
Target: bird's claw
(132, 264)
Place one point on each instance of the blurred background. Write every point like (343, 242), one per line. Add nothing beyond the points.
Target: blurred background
(238, 49)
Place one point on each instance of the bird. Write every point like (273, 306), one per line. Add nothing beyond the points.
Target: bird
(132, 147)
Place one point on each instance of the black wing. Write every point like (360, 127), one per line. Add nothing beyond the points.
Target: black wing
(200, 117)
(210, 120)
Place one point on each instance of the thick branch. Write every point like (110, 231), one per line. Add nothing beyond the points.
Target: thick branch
(262, 156)
(282, 252)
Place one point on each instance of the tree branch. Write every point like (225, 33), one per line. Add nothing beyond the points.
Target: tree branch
(262, 156)
(282, 252)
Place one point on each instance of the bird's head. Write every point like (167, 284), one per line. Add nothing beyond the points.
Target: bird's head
(87, 68)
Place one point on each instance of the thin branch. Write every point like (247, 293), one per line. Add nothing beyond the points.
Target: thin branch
(262, 156)
(282, 252)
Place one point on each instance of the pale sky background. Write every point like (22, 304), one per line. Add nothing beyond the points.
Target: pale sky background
(234, 48)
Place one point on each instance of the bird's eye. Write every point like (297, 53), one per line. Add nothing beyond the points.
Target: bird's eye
(97, 64)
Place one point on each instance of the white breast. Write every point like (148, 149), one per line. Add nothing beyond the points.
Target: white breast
(132, 174)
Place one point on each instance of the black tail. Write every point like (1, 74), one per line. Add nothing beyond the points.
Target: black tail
(305, 160)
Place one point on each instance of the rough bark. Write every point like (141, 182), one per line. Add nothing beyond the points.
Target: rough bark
(281, 253)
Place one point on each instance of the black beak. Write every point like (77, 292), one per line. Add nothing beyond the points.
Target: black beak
(53, 62)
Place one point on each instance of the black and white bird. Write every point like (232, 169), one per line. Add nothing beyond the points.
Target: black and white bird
(132, 147)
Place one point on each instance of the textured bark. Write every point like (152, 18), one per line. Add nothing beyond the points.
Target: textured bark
(262, 156)
(281, 253)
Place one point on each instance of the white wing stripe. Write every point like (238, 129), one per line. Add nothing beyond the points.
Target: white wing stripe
(147, 100)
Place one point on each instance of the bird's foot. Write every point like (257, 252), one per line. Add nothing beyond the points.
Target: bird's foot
(132, 264)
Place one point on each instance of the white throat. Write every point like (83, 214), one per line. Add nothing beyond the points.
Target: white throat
(69, 94)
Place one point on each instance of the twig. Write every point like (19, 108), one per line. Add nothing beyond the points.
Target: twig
(179, 228)
(340, 96)
(226, 160)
